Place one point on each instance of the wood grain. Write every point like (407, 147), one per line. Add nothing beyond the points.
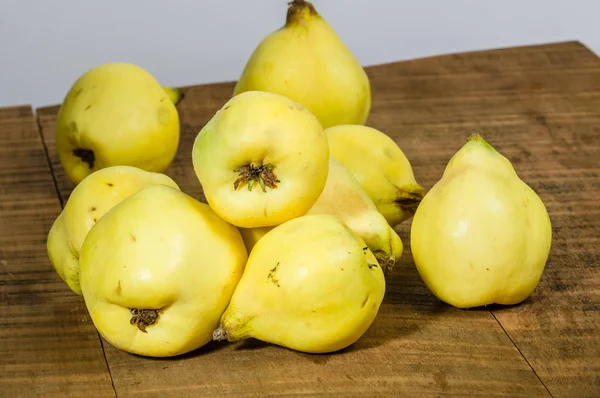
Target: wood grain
(48, 346)
(540, 106)
(416, 346)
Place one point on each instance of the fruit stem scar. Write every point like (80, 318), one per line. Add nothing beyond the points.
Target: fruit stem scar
(86, 155)
(219, 334)
(250, 174)
(143, 318)
(385, 260)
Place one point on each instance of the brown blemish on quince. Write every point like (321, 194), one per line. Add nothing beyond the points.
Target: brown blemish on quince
(272, 277)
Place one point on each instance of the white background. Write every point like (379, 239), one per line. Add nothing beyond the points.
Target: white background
(46, 44)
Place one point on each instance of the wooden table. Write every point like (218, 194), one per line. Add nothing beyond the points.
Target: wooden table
(539, 105)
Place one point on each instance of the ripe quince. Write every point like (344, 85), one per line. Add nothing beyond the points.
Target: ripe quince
(158, 271)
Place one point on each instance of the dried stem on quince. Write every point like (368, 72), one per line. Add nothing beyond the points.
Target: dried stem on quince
(143, 318)
(250, 174)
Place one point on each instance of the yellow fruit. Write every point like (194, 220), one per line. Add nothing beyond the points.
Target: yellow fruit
(344, 198)
(253, 235)
(306, 61)
(158, 271)
(310, 284)
(175, 95)
(116, 114)
(380, 167)
(481, 235)
(63, 259)
(261, 160)
(90, 200)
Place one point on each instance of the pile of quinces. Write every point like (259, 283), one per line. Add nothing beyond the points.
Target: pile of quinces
(296, 237)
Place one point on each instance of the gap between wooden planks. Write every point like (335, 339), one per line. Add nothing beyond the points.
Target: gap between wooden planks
(539, 105)
(416, 346)
(48, 347)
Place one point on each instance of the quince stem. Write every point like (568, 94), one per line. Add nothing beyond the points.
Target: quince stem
(298, 10)
(175, 95)
(250, 174)
(219, 334)
(477, 138)
(385, 261)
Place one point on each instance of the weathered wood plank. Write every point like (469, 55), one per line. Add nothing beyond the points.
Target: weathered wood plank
(539, 105)
(48, 345)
